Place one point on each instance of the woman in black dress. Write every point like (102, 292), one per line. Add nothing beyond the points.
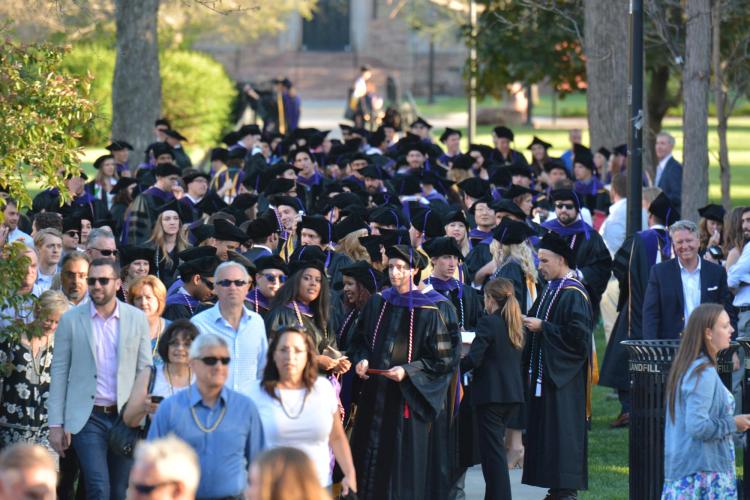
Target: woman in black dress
(25, 375)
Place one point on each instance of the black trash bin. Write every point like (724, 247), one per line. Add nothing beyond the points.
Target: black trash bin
(649, 364)
(744, 491)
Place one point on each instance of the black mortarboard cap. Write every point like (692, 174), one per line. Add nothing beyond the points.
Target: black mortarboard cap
(71, 224)
(463, 162)
(537, 140)
(231, 138)
(260, 228)
(348, 225)
(501, 177)
(319, 224)
(557, 245)
(307, 256)
(98, 162)
(251, 129)
(271, 262)
(520, 170)
(582, 155)
(604, 152)
(183, 211)
(504, 132)
(456, 215)
(449, 132)
(166, 169)
(621, 150)
(483, 149)
(662, 208)
(565, 195)
(408, 254)
(203, 266)
(290, 201)
(512, 232)
(191, 176)
(552, 164)
(219, 154)
(407, 185)
(443, 245)
(279, 185)
(364, 274)
(428, 221)
(175, 135)
(119, 146)
(475, 187)
(161, 148)
(508, 207)
(712, 212)
(123, 183)
(226, 231)
(203, 232)
(387, 215)
(420, 121)
(131, 253)
(516, 190)
(198, 252)
(487, 200)
(372, 172)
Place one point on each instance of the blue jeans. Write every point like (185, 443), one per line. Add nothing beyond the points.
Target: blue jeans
(104, 473)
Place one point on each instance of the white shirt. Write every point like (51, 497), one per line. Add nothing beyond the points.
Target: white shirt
(614, 228)
(247, 345)
(17, 234)
(309, 427)
(738, 276)
(691, 288)
(660, 170)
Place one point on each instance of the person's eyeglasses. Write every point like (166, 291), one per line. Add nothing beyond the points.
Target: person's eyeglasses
(272, 278)
(207, 282)
(212, 360)
(107, 253)
(72, 234)
(228, 283)
(147, 489)
(101, 281)
(566, 206)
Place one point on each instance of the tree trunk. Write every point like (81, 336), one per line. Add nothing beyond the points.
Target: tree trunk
(720, 96)
(658, 103)
(606, 48)
(136, 87)
(696, 79)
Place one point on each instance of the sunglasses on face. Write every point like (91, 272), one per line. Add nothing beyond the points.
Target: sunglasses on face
(228, 283)
(212, 360)
(272, 278)
(147, 489)
(207, 282)
(72, 234)
(566, 206)
(107, 253)
(101, 281)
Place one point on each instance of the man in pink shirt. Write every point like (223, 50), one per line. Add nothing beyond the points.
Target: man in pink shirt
(100, 347)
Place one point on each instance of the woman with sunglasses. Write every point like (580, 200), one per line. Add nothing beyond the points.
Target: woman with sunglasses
(304, 302)
(271, 273)
(170, 377)
(299, 409)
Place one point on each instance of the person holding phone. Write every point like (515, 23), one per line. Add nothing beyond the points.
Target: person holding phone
(171, 377)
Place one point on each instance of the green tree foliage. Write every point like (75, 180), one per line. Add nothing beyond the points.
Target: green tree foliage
(529, 42)
(42, 113)
(197, 92)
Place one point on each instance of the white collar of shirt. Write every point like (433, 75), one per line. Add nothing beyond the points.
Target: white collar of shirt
(256, 245)
(659, 226)
(683, 269)
(663, 163)
(194, 200)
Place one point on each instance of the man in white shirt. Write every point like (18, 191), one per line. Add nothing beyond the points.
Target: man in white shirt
(738, 279)
(243, 330)
(668, 170)
(9, 231)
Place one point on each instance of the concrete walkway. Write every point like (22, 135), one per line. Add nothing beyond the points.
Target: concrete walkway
(474, 486)
(326, 114)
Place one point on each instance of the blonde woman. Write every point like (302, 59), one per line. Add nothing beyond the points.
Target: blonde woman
(105, 180)
(26, 377)
(350, 246)
(457, 228)
(150, 296)
(168, 239)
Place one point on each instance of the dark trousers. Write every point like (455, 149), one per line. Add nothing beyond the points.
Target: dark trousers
(104, 473)
(491, 421)
(69, 476)
(624, 396)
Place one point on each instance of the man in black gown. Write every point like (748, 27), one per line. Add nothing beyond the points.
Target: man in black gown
(405, 351)
(632, 265)
(557, 359)
(142, 213)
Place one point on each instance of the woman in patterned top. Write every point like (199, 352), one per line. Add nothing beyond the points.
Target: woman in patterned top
(25, 375)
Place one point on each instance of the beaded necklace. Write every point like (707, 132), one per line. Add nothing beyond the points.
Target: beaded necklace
(460, 300)
(187, 303)
(345, 324)
(538, 385)
(197, 421)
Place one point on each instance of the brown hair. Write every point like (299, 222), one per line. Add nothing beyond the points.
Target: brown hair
(136, 288)
(692, 345)
(733, 236)
(271, 374)
(288, 474)
(502, 292)
(704, 235)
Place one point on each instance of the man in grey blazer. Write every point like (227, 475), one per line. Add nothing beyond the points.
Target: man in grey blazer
(100, 347)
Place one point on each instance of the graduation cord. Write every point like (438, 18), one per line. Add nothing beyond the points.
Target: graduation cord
(460, 300)
(538, 388)
(256, 300)
(299, 315)
(345, 324)
(187, 303)
(377, 327)
(156, 261)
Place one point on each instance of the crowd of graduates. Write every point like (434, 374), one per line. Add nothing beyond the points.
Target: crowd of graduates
(449, 295)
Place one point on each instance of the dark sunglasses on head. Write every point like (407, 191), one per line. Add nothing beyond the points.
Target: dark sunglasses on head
(107, 253)
(212, 360)
(272, 278)
(566, 206)
(228, 283)
(147, 489)
(102, 281)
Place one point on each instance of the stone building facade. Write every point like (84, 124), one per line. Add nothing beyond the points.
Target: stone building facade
(322, 55)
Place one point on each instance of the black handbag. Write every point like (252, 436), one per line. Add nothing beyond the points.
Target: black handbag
(122, 438)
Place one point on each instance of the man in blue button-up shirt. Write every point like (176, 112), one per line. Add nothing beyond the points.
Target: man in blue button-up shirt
(222, 425)
(242, 329)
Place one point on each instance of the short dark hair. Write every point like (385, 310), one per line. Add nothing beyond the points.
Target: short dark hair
(44, 220)
(183, 327)
(112, 264)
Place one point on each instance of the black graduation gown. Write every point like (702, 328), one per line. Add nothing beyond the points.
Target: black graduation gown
(183, 306)
(595, 262)
(512, 271)
(556, 436)
(394, 454)
(632, 265)
(165, 270)
(285, 315)
(478, 256)
(336, 262)
(257, 302)
(181, 158)
(513, 159)
(256, 253)
(141, 216)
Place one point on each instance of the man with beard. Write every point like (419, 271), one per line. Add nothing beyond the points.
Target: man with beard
(557, 360)
(197, 288)
(405, 350)
(101, 346)
(271, 273)
(588, 247)
(632, 264)
(738, 277)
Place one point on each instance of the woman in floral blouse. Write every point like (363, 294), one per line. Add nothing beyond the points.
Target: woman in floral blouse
(25, 375)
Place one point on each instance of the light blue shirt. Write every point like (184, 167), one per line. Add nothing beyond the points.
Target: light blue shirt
(247, 345)
(691, 288)
(225, 453)
(738, 276)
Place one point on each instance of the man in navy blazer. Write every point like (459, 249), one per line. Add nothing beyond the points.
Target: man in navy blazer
(668, 170)
(679, 285)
